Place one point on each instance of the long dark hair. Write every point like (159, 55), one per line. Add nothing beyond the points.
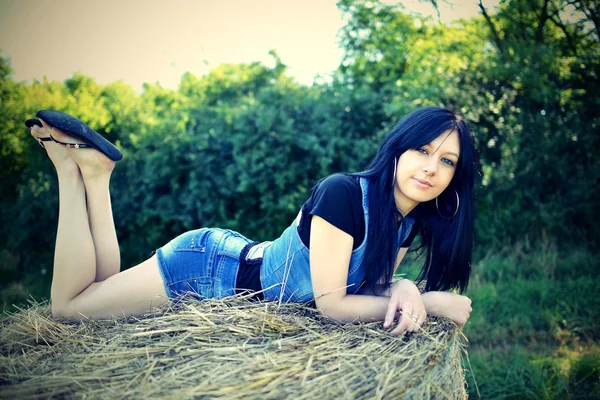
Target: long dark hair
(447, 242)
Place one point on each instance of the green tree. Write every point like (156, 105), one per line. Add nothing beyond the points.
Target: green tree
(527, 79)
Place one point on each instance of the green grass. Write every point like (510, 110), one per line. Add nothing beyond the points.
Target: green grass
(535, 328)
(517, 372)
(542, 311)
(534, 332)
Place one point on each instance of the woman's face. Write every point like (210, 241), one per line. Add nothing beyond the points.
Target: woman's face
(424, 173)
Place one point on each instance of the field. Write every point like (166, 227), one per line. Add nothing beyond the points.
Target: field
(534, 331)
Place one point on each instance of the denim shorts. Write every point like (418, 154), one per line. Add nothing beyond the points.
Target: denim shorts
(204, 262)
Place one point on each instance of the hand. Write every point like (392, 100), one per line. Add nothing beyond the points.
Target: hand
(406, 298)
(450, 305)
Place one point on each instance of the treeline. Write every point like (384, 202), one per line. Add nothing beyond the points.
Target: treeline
(242, 146)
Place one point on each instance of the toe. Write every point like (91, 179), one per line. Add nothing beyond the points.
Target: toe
(37, 132)
(41, 131)
(45, 127)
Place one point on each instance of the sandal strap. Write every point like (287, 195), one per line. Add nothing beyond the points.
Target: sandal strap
(41, 140)
(72, 145)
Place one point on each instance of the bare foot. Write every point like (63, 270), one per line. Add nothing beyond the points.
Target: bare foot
(58, 155)
(92, 163)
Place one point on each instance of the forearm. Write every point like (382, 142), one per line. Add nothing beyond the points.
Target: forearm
(430, 299)
(380, 290)
(357, 308)
(366, 307)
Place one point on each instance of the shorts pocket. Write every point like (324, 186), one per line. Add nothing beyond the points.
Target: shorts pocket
(191, 241)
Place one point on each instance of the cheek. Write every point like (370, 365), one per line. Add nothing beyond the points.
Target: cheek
(439, 190)
(407, 163)
(449, 174)
(445, 177)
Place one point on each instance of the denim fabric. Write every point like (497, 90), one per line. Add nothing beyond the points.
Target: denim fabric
(203, 261)
(285, 273)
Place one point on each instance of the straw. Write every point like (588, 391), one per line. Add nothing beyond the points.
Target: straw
(231, 349)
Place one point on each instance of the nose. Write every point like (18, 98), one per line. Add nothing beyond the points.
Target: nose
(430, 166)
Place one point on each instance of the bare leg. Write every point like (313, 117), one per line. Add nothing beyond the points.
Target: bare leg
(108, 254)
(96, 170)
(74, 293)
(99, 208)
(102, 226)
(75, 254)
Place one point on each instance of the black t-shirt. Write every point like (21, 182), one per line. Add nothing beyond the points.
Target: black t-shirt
(338, 200)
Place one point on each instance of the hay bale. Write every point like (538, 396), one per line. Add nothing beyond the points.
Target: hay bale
(233, 348)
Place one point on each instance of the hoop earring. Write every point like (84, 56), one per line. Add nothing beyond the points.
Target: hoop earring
(394, 176)
(457, 206)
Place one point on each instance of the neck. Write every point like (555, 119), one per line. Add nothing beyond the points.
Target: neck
(406, 210)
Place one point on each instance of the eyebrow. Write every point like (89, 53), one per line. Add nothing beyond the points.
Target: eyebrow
(448, 152)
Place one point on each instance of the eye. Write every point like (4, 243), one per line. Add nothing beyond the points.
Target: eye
(448, 162)
(422, 150)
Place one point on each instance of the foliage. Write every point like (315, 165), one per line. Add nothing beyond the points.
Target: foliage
(527, 77)
(534, 329)
(241, 147)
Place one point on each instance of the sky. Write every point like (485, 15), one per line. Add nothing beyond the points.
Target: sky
(141, 41)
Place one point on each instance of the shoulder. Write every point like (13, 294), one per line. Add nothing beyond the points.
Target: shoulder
(336, 189)
(338, 200)
(338, 194)
(339, 182)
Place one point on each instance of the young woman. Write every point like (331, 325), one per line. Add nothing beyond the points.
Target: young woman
(340, 252)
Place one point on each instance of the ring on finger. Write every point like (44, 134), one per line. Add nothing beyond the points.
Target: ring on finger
(414, 318)
(417, 321)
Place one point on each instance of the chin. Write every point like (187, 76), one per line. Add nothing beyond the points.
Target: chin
(425, 200)
(420, 197)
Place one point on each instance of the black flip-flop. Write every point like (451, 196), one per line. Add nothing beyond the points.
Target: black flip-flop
(30, 123)
(78, 129)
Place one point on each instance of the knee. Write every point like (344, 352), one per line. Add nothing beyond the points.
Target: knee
(61, 311)
(57, 312)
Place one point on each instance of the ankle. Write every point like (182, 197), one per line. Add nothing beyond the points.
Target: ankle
(97, 171)
(67, 170)
(96, 178)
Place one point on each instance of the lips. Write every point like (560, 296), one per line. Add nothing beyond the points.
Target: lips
(422, 182)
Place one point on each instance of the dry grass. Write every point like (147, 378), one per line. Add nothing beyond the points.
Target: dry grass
(233, 348)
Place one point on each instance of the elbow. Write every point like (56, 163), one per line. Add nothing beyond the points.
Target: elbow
(327, 311)
(334, 309)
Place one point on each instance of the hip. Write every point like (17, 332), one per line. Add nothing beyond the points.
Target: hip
(203, 261)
